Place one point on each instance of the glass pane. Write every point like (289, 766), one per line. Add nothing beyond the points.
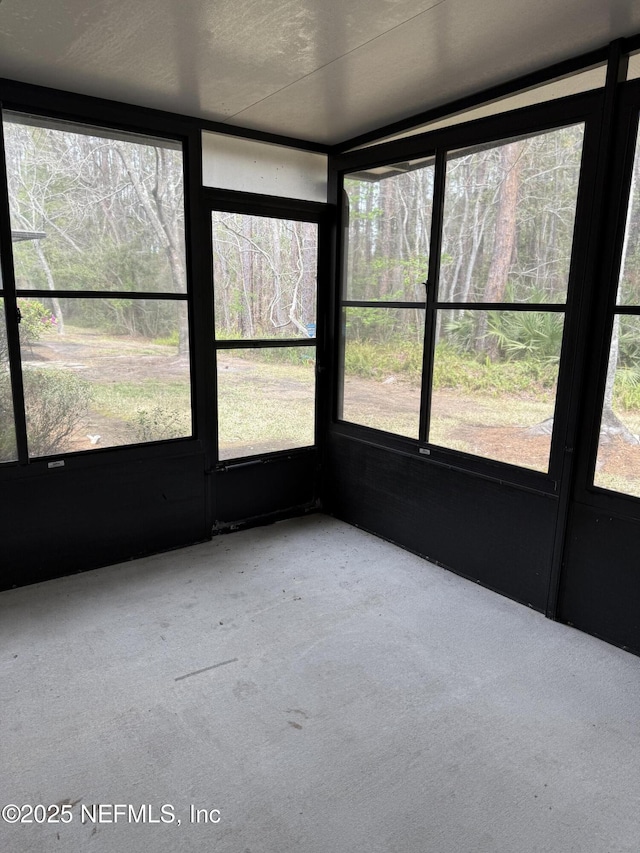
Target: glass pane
(389, 230)
(629, 281)
(94, 212)
(266, 400)
(494, 384)
(618, 461)
(104, 372)
(8, 449)
(508, 219)
(265, 276)
(246, 165)
(383, 366)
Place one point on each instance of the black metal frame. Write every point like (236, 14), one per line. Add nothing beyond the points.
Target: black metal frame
(57, 105)
(8, 292)
(15, 293)
(275, 207)
(620, 173)
(526, 121)
(564, 68)
(108, 116)
(164, 494)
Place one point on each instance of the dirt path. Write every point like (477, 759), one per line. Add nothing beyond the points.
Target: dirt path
(108, 360)
(100, 359)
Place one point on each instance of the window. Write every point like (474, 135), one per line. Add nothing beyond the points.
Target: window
(618, 459)
(389, 227)
(498, 267)
(99, 258)
(265, 294)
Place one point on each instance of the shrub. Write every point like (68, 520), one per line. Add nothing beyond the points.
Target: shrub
(626, 389)
(7, 431)
(161, 423)
(453, 369)
(56, 401)
(532, 335)
(378, 360)
(34, 320)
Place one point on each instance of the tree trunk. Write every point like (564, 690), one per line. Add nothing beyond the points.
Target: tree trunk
(504, 240)
(51, 285)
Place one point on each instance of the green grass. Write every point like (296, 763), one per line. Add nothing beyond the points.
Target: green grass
(264, 406)
(120, 399)
(266, 396)
(627, 485)
(378, 360)
(155, 409)
(452, 369)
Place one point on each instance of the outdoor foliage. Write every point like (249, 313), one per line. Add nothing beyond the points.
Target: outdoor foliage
(160, 422)
(56, 401)
(107, 215)
(264, 276)
(102, 213)
(7, 431)
(112, 215)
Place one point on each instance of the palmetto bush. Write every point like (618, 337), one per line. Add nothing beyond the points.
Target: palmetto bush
(529, 335)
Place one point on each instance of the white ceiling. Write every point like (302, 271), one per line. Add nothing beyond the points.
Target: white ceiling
(321, 70)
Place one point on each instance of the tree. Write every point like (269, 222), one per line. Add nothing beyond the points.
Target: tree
(264, 276)
(159, 192)
(503, 241)
(112, 211)
(611, 424)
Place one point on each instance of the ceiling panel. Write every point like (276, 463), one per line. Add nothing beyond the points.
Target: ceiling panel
(191, 56)
(454, 49)
(323, 70)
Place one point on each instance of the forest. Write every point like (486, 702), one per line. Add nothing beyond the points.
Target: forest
(102, 215)
(94, 214)
(508, 223)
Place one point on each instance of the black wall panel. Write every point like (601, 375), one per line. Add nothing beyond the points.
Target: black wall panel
(496, 534)
(69, 520)
(263, 487)
(600, 592)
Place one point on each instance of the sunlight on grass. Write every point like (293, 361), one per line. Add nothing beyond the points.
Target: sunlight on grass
(496, 428)
(392, 407)
(139, 390)
(154, 409)
(626, 484)
(264, 407)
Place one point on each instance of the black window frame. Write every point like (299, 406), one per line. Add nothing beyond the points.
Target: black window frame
(582, 108)
(275, 207)
(606, 307)
(117, 119)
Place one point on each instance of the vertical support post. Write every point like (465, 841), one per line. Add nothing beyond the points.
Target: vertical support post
(435, 253)
(616, 74)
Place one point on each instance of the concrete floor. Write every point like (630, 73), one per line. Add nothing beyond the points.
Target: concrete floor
(323, 690)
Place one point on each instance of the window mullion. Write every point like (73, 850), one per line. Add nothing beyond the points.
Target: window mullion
(435, 249)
